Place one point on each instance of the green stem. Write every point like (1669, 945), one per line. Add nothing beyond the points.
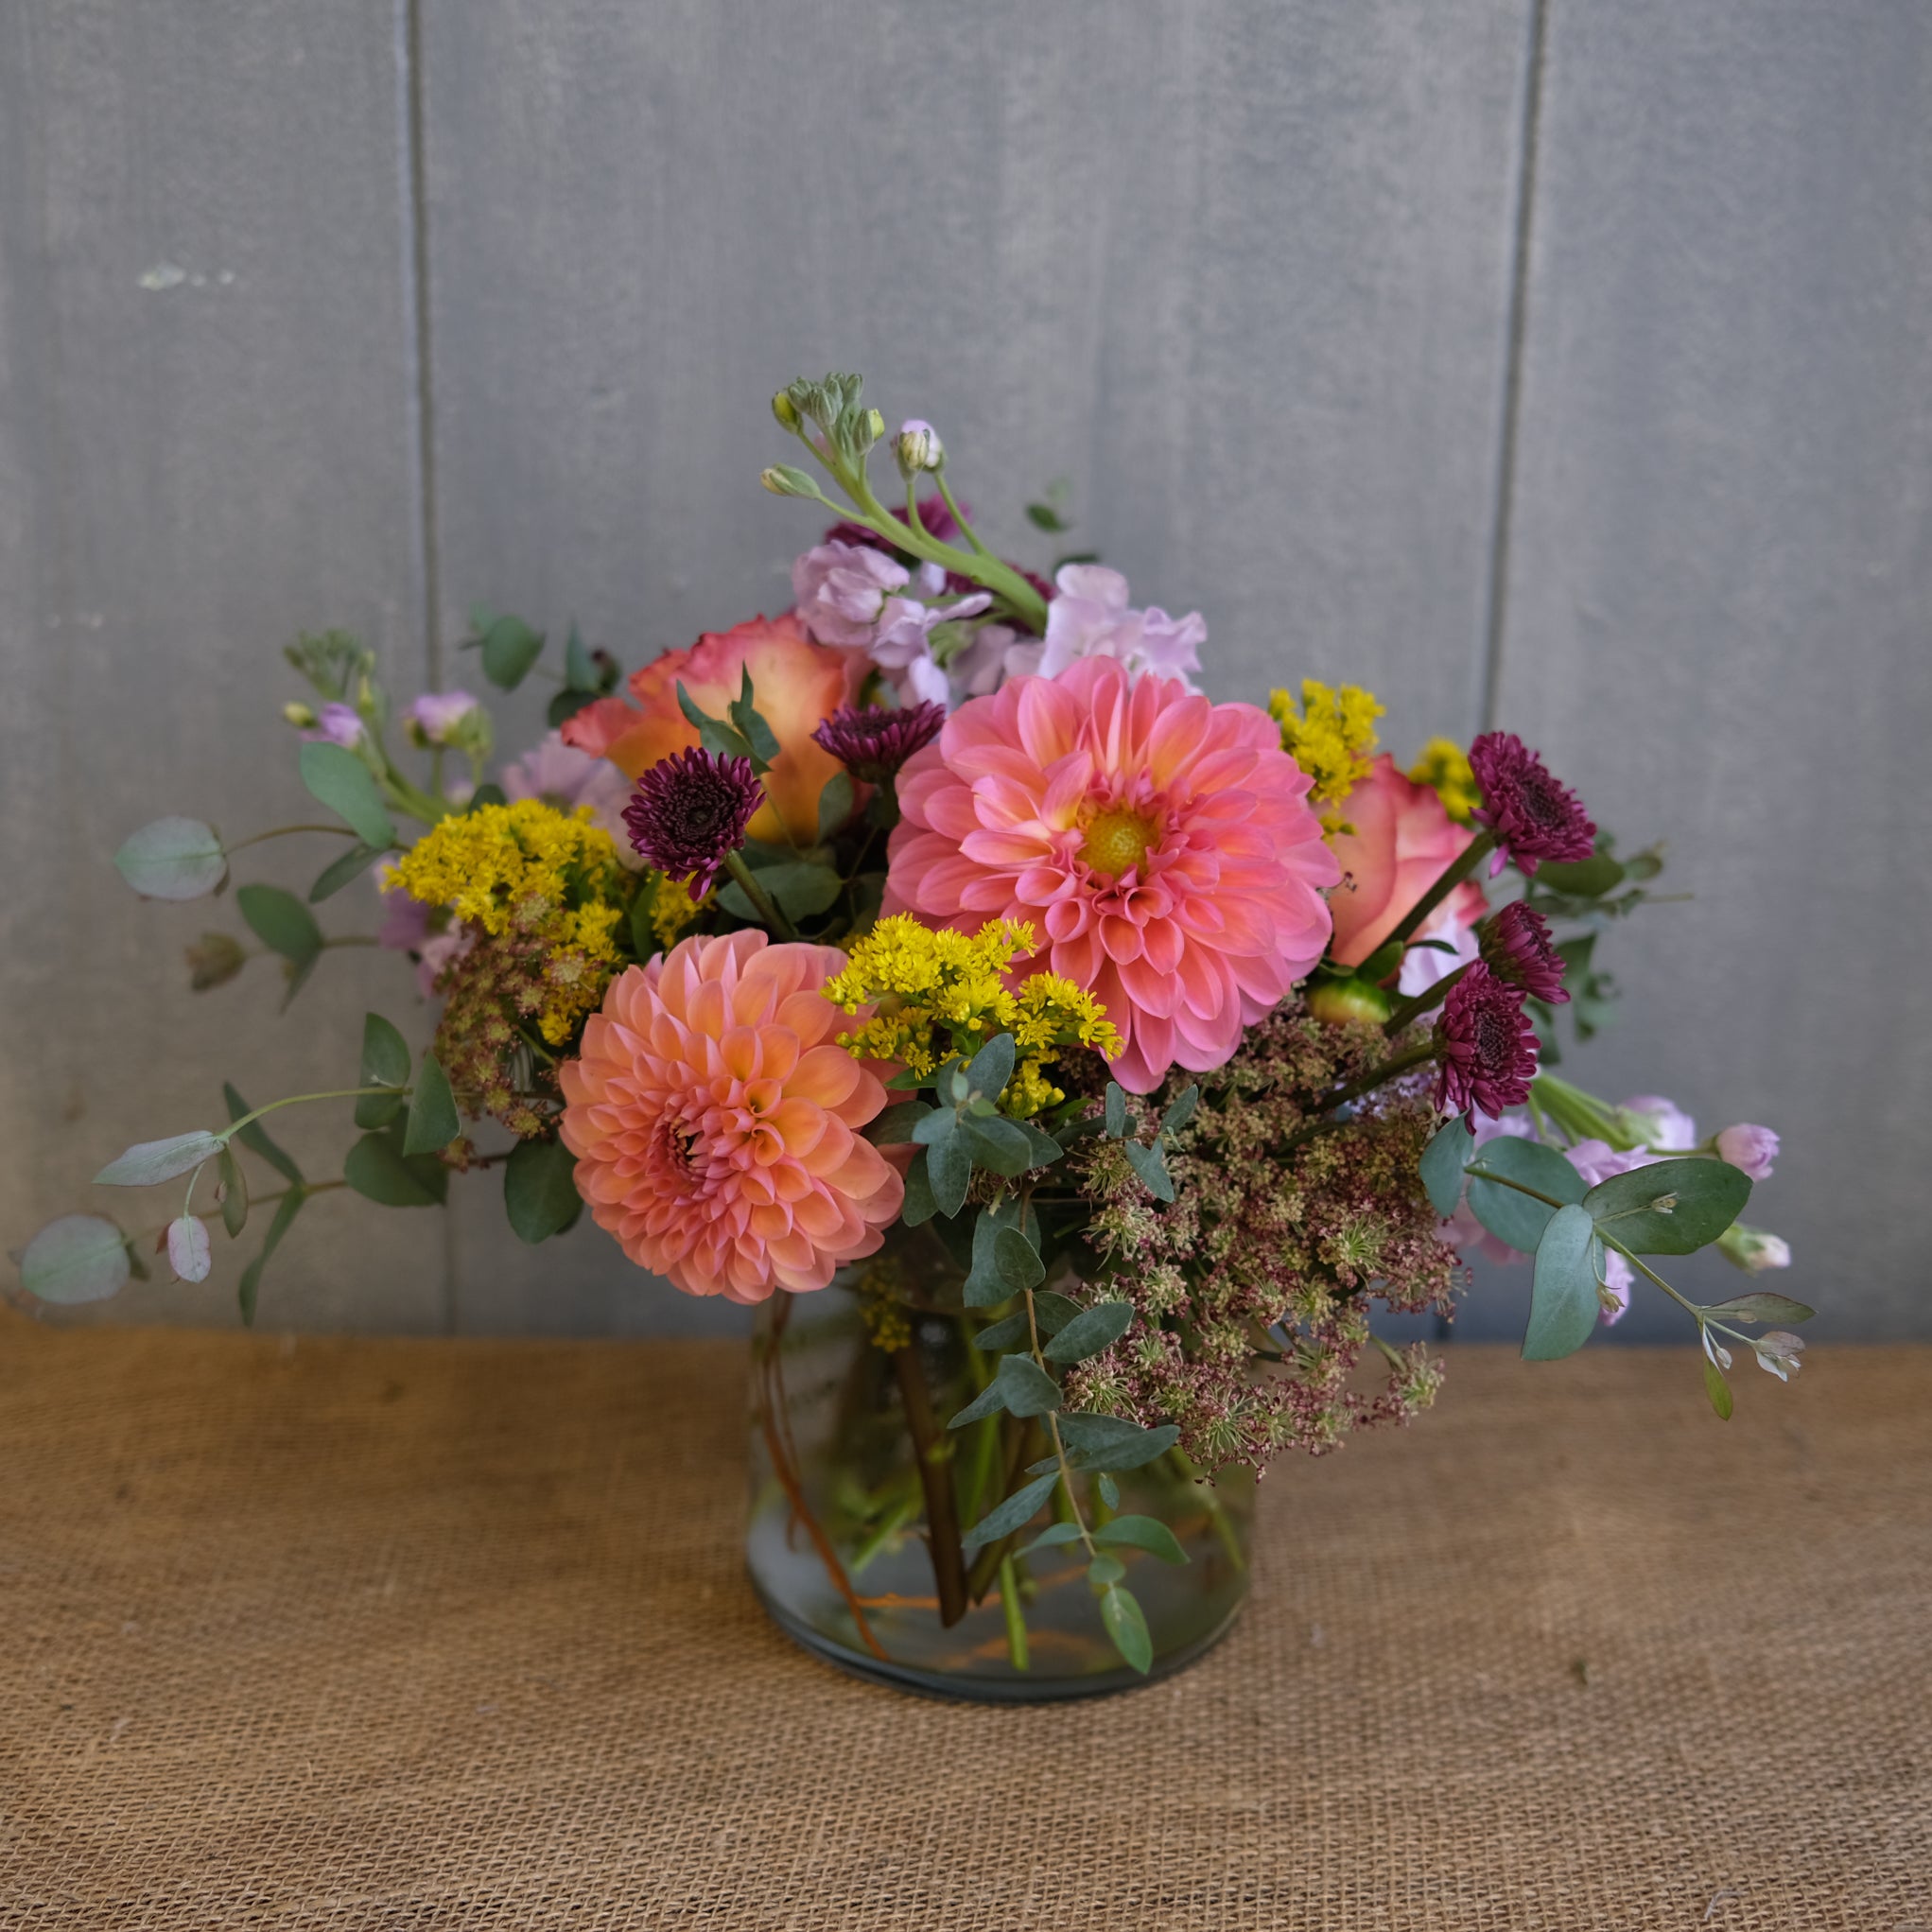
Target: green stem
(233, 1128)
(761, 903)
(1580, 1115)
(1375, 1077)
(285, 831)
(965, 529)
(1466, 862)
(1425, 1002)
(1011, 1609)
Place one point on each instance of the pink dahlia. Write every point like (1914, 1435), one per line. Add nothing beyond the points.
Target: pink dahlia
(713, 1120)
(1161, 843)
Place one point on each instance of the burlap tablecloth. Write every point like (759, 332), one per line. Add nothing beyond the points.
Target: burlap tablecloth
(410, 1634)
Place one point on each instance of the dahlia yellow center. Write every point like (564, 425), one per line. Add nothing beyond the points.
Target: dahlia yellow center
(1119, 839)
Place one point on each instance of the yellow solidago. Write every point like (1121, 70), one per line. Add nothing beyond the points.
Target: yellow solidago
(924, 983)
(671, 908)
(531, 873)
(1445, 767)
(1331, 738)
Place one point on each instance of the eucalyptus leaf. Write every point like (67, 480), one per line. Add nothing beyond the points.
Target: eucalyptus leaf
(950, 1168)
(1513, 1217)
(997, 1144)
(509, 649)
(1015, 1260)
(334, 876)
(720, 739)
(1019, 1385)
(254, 1136)
(433, 1121)
(1583, 878)
(1762, 1308)
(78, 1258)
(483, 797)
(173, 858)
(1042, 1149)
(991, 1068)
(750, 725)
(1105, 1569)
(540, 1189)
(1112, 1442)
(894, 1126)
(1670, 1207)
(1563, 1306)
(564, 706)
(189, 1251)
(1018, 1509)
(385, 1063)
(1442, 1165)
(250, 1286)
(1717, 1389)
(1125, 1623)
(1090, 1332)
(280, 921)
(148, 1161)
(375, 1169)
(1051, 1314)
(580, 674)
(1151, 1165)
(338, 778)
(919, 1207)
(1142, 1533)
(233, 1193)
(1052, 1536)
(1116, 1110)
(835, 803)
(1109, 1491)
(1182, 1111)
(799, 888)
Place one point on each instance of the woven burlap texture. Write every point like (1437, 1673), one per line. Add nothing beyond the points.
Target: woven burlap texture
(347, 1634)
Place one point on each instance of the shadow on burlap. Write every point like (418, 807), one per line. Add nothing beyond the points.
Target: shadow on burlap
(410, 1634)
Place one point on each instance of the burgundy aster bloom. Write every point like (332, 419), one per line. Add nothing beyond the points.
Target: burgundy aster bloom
(1516, 948)
(872, 744)
(690, 812)
(1531, 813)
(1486, 1047)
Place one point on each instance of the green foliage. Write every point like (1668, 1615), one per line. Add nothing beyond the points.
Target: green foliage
(1563, 1307)
(251, 1283)
(1150, 1163)
(385, 1063)
(379, 1169)
(1509, 1214)
(800, 888)
(1116, 1111)
(510, 648)
(1112, 1442)
(834, 804)
(1127, 1625)
(1142, 1533)
(339, 872)
(730, 740)
(1090, 1332)
(148, 1161)
(338, 778)
(234, 1182)
(284, 924)
(1021, 1386)
(1671, 1207)
(254, 1136)
(894, 1128)
(540, 1189)
(189, 1253)
(1051, 1314)
(1010, 1515)
(78, 1258)
(173, 858)
(1717, 1389)
(1442, 1165)
(433, 1122)
(1761, 1307)
(920, 1206)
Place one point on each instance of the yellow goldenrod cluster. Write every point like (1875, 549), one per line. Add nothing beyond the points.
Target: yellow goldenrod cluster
(536, 875)
(671, 908)
(1331, 738)
(1445, 767)
(921, 983)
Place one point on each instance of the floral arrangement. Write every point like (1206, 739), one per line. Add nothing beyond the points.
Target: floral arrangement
(1195, 1032)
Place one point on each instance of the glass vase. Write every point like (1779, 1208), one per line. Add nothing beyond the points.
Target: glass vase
(860, 1493)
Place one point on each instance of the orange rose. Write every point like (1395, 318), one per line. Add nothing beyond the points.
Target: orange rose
(1403, 840)
(796, 685)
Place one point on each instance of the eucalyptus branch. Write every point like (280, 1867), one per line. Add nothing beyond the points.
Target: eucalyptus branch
(233, 1128)
(286, 832)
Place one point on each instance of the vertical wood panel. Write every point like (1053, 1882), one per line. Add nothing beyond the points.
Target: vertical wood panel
(206, 443)
(1238, 271)
(1718, 607)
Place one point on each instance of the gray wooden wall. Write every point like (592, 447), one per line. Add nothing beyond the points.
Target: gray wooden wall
(1566, 366)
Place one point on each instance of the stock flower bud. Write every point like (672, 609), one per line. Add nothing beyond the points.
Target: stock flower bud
(875, 428)
(1752, 1249)
(1749, 1147)
(299, 715)
(918, 448)
(781, 480)
(786, 411)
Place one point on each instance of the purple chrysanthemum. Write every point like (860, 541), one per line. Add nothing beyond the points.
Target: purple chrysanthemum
(689, 815)
(872, 744)
(1487, 1048)
(1516, 948)
(1532, 815)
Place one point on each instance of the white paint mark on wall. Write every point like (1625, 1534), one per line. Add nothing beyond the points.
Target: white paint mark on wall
(171, 276)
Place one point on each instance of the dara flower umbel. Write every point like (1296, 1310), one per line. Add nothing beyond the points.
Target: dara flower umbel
(1066, 1066)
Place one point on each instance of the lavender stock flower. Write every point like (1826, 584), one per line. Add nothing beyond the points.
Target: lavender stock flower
(689, 815)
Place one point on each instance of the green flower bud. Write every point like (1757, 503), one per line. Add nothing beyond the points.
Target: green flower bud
(783, 481)
(786, 411)
(1336, 1002)
(299, 715)
(918, 448)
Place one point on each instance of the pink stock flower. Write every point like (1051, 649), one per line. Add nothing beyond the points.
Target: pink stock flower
(1618, 1278)
(1749, 1147)
(1090, 619)
(1660, 1123)
(1162, 844)
(841, 590)
(1401, 842)
(335, 724)
(714, 1118)
(436, 715)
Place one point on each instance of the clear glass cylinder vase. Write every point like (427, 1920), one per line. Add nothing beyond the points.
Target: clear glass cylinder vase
(860, 1494)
